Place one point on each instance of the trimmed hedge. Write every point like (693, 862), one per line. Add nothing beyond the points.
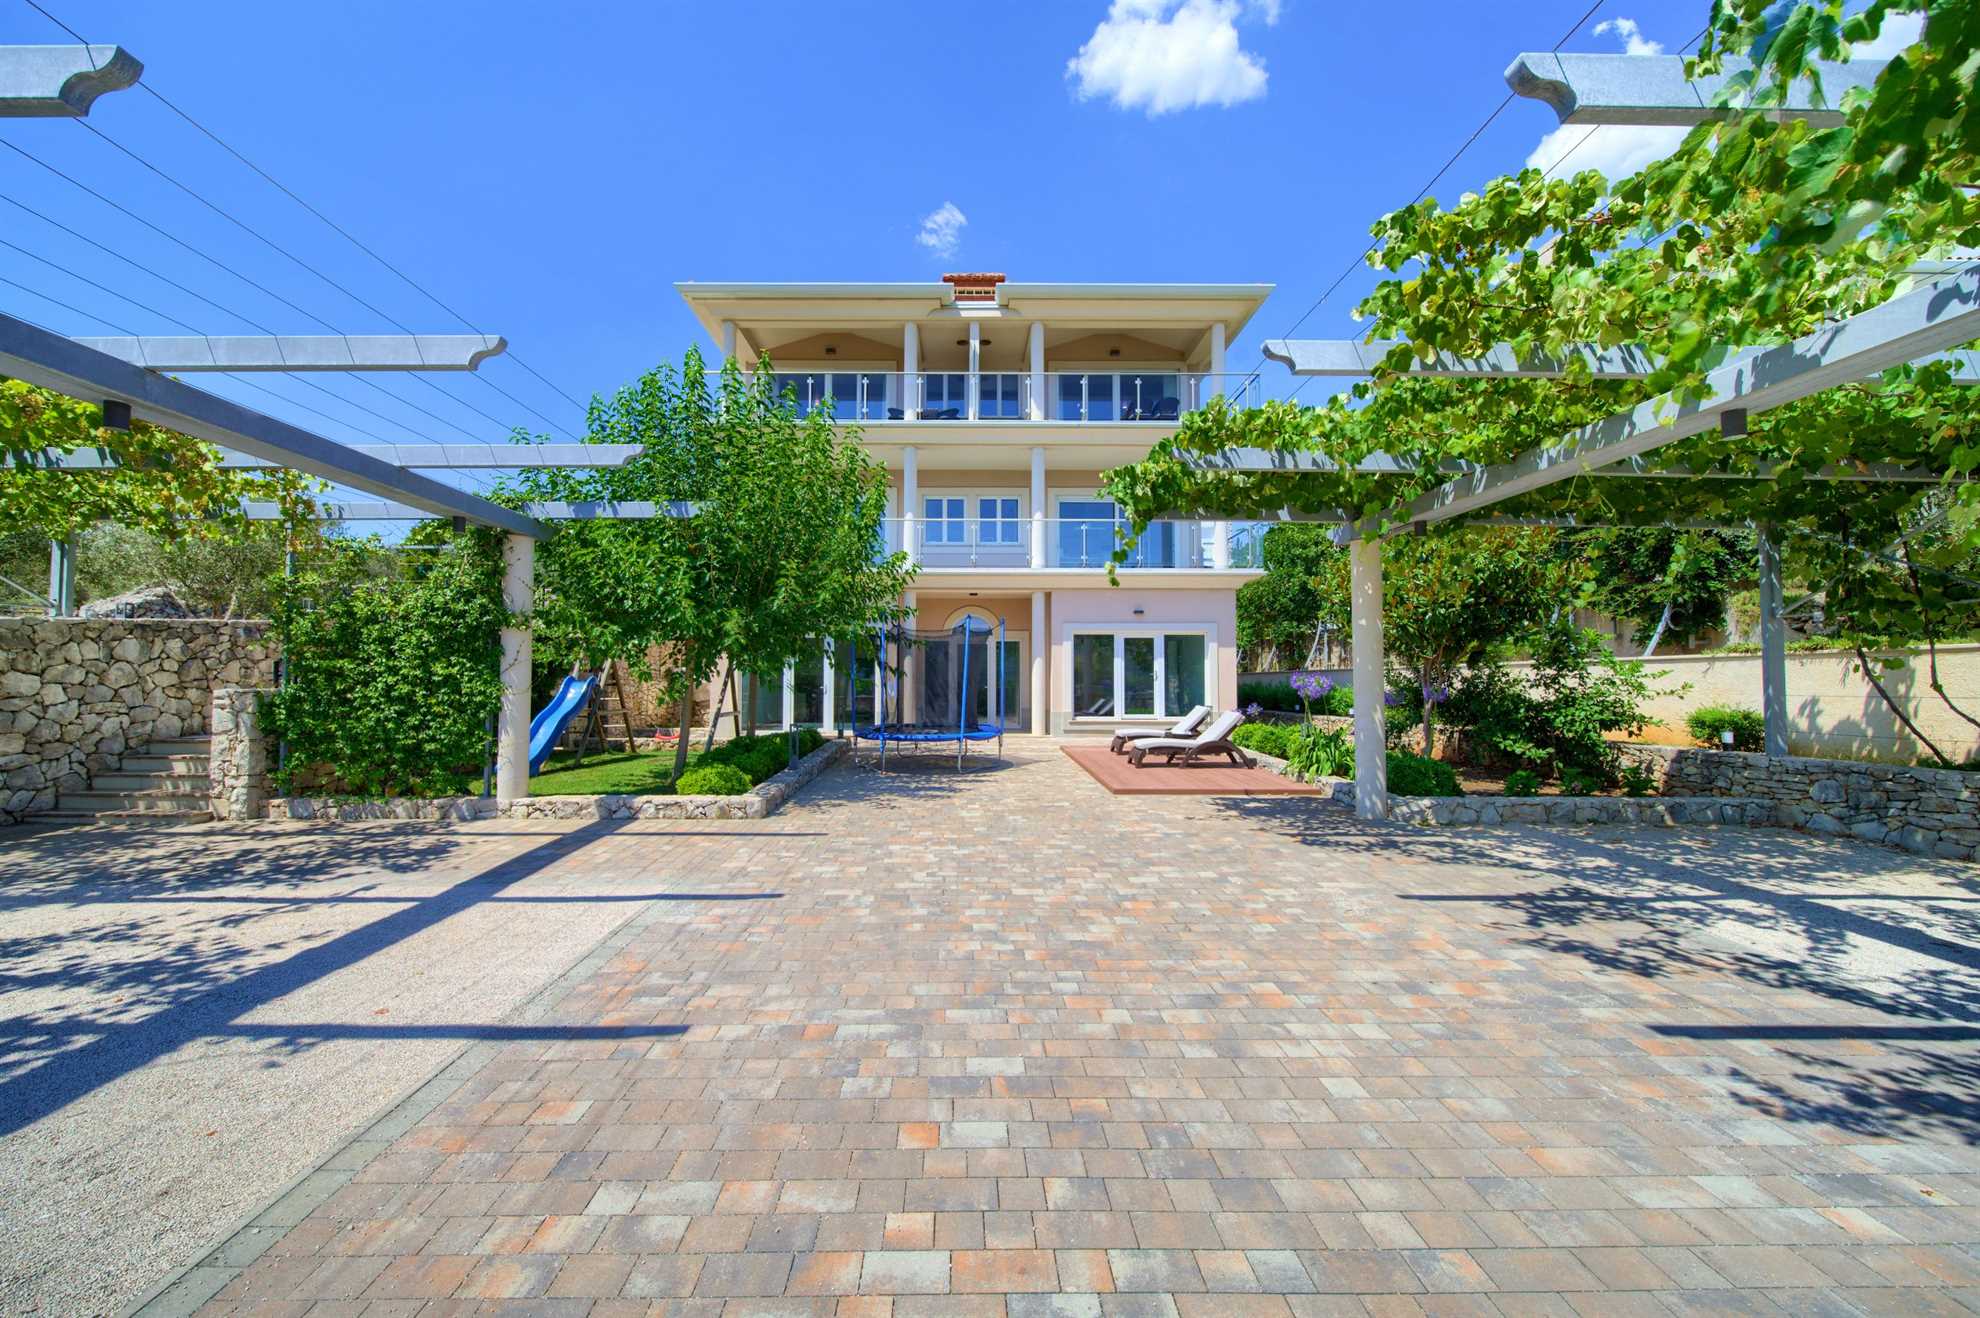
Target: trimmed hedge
(713, 780)
(759, 757)
(1748, 728)
(1273, 739)
(1412, 775)
(1277, 695)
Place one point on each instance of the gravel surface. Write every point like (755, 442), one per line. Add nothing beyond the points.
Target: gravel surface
(192, 1018)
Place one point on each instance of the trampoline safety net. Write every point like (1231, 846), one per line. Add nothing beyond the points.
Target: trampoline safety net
(911, 688)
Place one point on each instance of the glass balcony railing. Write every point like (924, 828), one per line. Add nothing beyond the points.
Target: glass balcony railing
(1070, 542)
(872, 396)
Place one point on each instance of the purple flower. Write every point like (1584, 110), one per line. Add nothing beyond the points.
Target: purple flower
(1253, 710)
(1311, 686)
(1436, 695)
(1391, 699)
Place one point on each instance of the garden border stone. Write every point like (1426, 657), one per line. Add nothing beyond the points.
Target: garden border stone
(760, 802)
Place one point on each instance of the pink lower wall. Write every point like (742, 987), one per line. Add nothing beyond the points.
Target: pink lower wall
(1113, 607)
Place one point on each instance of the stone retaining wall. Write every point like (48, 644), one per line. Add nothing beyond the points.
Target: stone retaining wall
(1934, 812)
(237, 764)
(77, 693)
(761, 801)
(1628, 811)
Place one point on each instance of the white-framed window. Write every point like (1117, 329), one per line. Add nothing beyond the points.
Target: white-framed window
(997, 519)
(943, 521)
(1140, 673)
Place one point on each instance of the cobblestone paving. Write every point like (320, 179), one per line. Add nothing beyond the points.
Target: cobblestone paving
(1005, 1044)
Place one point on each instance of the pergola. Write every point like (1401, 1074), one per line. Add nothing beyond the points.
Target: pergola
(1929, 322)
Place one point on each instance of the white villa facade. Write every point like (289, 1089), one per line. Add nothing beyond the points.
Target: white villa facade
(995, 407)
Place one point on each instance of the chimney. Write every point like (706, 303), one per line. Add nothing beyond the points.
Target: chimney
(974, 290)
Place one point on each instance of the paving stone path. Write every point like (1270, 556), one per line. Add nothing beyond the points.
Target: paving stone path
(1006, 1044)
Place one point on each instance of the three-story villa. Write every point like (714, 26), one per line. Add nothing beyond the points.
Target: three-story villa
(995, 406)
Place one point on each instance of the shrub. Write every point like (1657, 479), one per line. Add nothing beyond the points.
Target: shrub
(1315, 753)
(1522, 782)
(1277, 695)
(761, 756)
(1637, 780)
(1557, 717)
(1412, 775)
(1576, 783)
(713, 780)
(1708, 724)
(1273, 739)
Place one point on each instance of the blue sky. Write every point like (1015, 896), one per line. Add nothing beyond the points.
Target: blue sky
(551, 171)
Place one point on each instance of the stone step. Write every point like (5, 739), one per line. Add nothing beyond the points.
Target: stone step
(184, 782)
(99, 803)
(152, 818)
(195, 765)
(177, 746)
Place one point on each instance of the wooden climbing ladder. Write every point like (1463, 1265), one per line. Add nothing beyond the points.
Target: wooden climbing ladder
(606, 719)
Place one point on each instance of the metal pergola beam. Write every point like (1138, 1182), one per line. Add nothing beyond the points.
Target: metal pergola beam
(304, 352)
(1652, 89)
(433, 457)
(61, 82)
(1263, 461)
(1356, 357)
(1928, 319)
(365, 510)
(33, 354)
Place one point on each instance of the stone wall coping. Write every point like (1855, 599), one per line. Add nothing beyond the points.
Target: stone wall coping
(760, 802)
(1956, 779)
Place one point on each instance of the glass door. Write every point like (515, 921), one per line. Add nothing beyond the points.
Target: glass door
(1139, 675)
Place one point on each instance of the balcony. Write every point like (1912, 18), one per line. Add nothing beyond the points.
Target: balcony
(1060, 396)
(1007, 543)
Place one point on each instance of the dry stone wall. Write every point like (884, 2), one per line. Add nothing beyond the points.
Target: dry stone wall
(77, 694)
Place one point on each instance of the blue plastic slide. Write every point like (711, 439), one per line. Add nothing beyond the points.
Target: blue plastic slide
(550, 722)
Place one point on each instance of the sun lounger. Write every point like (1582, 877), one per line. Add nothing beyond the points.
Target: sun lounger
(1214, 740)
(1184, 727)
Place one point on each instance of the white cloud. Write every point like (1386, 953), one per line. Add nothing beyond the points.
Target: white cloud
(941, 229)
(1163, 55)
(1617, 150)
(1634, 42)
(1898, 31)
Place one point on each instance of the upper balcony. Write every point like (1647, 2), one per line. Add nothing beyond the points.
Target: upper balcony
(878, 397)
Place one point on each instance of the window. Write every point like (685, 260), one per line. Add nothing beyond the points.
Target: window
(1183, 654)
(1086, 532)
(943, 522)
(1086, 397)
(1138, 675)
(1093, 676)
(997, 521)
(944, 397)
(997, 396)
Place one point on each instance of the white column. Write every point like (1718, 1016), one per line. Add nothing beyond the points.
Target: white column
(1217, 352)
(1773, 649)
(512, 724)
(1038, 506)
(910, 370)
(975, 367)
(1041, 647)
(910, 502)
(828, 708)
(1371, 762)
(790, 695)
(729, 340)
(1037, 410)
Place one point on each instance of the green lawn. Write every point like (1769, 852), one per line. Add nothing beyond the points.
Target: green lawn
(608, 772)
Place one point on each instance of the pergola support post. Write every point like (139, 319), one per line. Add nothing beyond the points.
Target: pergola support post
(512, 725)
(1371, 753)
(62, 578)
(1773, 648)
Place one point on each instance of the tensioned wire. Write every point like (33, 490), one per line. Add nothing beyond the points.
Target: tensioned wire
(217, 140)
(1361, 260)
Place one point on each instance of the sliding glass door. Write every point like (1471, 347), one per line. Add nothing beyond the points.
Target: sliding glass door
(1139, 674)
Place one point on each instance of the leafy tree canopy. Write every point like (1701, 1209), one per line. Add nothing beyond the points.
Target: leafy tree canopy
(782, 548)
(163, 482)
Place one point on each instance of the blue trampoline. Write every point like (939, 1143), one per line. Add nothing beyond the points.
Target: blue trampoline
(918, 689)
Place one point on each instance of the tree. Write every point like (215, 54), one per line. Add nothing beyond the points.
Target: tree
(1278, 613)
(1670, 583)
(1450, 595)
(781, 548)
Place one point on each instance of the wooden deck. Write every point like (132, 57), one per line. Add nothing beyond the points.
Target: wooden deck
(1114, 773)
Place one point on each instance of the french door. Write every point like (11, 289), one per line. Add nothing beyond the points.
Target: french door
(1138, 674)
